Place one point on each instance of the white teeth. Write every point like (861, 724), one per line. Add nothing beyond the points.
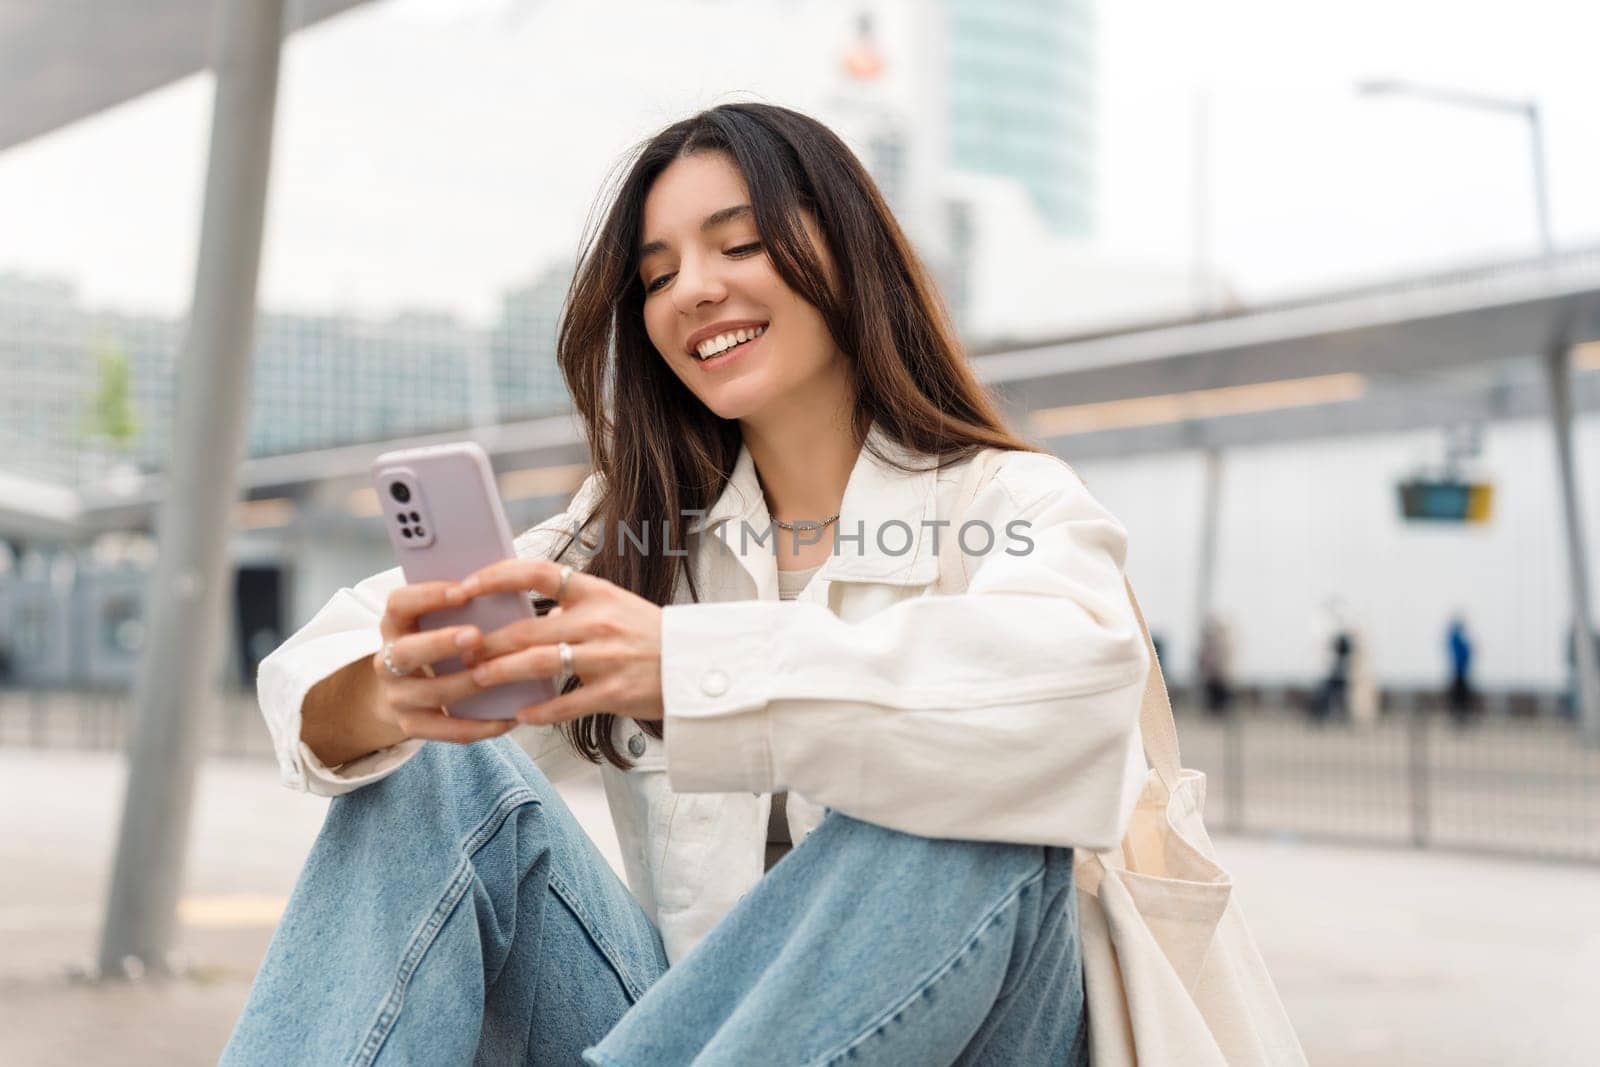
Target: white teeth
(724, 341)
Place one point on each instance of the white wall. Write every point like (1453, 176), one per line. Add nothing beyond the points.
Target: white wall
(1301, 522)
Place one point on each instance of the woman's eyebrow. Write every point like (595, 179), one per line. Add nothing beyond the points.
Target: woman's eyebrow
(712, 221)
(727, 214)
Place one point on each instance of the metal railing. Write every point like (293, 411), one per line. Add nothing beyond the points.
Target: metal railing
(1505, 784)
(98, 719)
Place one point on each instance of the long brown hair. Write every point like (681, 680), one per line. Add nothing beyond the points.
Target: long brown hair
(659, 452)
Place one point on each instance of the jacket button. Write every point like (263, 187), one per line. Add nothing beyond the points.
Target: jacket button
(713, 683)
(636, 745)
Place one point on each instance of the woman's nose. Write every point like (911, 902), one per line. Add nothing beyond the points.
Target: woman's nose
(697, 284)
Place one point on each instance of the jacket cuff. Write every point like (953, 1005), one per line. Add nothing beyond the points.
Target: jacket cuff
(281, 691)
(335, 781)
(714, 692)
(726, 754)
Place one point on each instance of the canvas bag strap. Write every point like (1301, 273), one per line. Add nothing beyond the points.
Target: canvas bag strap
(1156, 728)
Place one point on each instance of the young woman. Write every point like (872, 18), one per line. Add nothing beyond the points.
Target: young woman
(759, 655)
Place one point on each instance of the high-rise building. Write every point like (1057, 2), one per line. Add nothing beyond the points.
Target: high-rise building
(318, 381)
(1021, 100)
(44, 355)
(522, 346)
(322, 380)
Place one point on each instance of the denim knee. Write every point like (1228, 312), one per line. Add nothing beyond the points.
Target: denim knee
(448, 785)
(875, 848)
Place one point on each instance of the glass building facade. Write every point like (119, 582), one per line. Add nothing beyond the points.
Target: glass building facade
(319, 381)
(1021, 100)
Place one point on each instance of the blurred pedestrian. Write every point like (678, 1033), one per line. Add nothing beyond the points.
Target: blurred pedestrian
(1216, 666)
(1461, 698)
(1335, 688)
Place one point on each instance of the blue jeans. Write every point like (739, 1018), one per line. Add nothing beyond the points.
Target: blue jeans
(456, 912)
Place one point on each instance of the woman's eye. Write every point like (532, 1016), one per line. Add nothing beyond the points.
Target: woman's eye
(745, 250)
(653, 286)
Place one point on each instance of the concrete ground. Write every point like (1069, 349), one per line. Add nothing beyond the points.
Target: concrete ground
(1383, 957)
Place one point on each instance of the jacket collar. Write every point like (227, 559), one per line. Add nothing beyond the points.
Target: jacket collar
(885, 505)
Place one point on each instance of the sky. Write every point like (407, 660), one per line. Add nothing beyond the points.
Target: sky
(431, 153)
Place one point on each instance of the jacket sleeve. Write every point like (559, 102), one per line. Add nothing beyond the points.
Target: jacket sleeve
(1008, 712)
(346, 630)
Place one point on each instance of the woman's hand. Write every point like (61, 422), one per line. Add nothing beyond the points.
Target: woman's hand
(615, 638)
(413, 706)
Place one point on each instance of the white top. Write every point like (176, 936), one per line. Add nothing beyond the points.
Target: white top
(790, 583)
(779, 841)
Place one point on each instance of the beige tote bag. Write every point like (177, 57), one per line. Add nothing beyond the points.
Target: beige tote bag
(1171, 973)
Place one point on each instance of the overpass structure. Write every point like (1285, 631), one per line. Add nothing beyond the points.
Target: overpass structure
(1468, 346)
(65, 61)
(1494, 342)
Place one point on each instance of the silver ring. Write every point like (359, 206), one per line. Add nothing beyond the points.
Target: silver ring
(388, 661)
(567, 668)
(561, 589)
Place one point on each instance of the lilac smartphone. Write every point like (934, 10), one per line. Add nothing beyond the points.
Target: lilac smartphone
(445, 521)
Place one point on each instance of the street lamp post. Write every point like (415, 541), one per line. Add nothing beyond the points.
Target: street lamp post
(1558, 368)
(1527, 110)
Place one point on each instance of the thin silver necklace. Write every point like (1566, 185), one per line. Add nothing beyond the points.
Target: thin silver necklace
(805, 524)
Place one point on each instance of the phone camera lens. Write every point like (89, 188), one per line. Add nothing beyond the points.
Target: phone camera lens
(399, 491)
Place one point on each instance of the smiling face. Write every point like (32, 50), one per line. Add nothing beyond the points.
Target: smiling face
(716, 309)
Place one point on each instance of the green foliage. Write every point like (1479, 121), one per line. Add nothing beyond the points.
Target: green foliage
(110, 415)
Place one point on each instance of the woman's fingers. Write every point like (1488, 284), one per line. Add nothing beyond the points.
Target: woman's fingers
(542, 661)
(524, 575)
(435, 725)
(412, 652)
(430, 694)
(409, 601)
(584, 700)
(545, 630)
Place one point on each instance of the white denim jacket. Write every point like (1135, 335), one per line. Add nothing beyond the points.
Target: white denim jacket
(1007, 713)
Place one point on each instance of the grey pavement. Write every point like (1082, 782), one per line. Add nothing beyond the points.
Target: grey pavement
(1388, 957)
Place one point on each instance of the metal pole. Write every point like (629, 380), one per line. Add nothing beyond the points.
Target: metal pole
(1200, 263)
(1210, 491)
(1541, 193)
(1421, 785)
(177, 674)
(1558, 366)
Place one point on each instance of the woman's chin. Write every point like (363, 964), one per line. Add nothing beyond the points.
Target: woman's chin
(733, 404)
